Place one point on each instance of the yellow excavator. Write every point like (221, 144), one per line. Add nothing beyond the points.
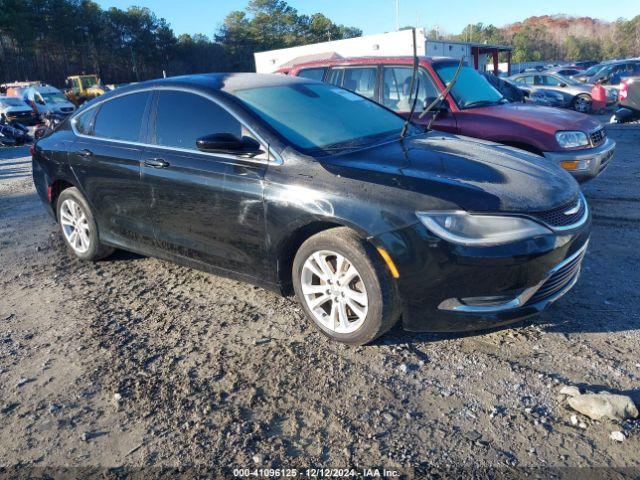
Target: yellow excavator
(81, 88)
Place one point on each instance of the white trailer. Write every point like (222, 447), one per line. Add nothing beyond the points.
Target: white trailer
(390, 44)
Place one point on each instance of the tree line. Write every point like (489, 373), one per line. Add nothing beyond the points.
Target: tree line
(49, 40)
(560, 38)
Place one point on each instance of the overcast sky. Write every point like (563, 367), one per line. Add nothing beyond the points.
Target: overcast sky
(377, 16)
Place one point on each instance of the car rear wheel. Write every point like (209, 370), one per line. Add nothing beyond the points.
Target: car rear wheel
(344, 287)
(78, 226)
(582, 104)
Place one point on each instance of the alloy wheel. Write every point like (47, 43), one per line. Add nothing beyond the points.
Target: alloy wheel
(334, 291)
(582, 105)
(75, 226)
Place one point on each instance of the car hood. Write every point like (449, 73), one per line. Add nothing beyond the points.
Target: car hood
(546, 119)
(450, 171)
(16, 109)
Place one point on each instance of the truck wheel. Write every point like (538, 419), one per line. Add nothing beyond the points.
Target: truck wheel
(344, 287)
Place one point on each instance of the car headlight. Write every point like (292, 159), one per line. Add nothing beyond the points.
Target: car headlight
(464, 228)
(571, 139)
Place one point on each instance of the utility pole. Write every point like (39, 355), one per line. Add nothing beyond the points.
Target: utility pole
(397, 15)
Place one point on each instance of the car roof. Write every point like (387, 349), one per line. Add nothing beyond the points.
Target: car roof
(403, 59)
(227, 82)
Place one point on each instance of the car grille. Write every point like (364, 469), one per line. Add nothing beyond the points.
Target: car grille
(558, 218)
(559, 280)
(598, 137)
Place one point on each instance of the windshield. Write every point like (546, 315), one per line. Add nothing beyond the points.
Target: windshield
(315, 116)
(471, 88)
(88, 82)
(593, 70)
(12, 102)
(54, 97)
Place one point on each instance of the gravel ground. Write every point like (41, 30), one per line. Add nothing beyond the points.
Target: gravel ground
(135, 362)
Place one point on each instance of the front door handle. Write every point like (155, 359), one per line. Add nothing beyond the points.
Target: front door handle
(156, 163)
(85, 153)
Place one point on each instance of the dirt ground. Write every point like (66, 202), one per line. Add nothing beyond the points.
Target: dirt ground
(135, 362)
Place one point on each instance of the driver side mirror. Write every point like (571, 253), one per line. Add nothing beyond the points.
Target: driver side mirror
(228, 143)
(562, 85)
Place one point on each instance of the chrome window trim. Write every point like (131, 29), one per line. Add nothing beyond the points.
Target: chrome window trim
(277, 159)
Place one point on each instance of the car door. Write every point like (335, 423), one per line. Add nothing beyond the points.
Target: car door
(395, 89)
(105, 160)
(206, 207)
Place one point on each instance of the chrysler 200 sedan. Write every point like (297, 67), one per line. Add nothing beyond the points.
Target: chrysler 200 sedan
(304, 187)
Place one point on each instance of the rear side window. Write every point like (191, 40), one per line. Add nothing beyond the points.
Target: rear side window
(312, 73)
(359, 80)
(84, 121)
(184, 117)
(121, 118)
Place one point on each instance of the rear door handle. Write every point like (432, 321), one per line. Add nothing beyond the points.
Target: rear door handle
(156, 163)
(84, 153)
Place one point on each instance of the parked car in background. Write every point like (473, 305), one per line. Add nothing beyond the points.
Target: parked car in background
(45, 98)
(13, 109)
(565, 71)
(472, 108)
(583, 65)
(613, 72)
(629, 104)
(297, 185)
(576, 95)
(547, 98)
(506, 88)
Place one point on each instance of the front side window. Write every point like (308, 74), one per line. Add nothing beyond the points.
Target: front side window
(316, 116)
(121, 118)
(313, 73)
(471, 89)
(182, 118)
(359, 80)
(397, 83)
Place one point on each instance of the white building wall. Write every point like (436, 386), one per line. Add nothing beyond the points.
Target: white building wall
(384, 45)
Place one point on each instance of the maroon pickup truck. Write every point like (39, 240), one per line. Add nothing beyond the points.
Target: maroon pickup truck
(472, 108)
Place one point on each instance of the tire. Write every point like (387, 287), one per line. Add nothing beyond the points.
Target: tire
(360, 309)
(582, 103)
(74, 215)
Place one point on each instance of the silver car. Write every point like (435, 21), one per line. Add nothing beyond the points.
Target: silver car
(576, 95)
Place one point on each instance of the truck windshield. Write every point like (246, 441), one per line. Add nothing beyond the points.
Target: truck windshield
(320, 117)
(88, 82)
(471, 89)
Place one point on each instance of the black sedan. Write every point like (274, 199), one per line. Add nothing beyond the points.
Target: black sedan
(303, 187)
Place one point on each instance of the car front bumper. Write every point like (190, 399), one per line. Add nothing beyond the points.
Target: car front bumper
(446, 287)
(585, 164)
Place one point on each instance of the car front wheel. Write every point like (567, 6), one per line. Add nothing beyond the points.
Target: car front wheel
(78, 226)
(344, 287)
